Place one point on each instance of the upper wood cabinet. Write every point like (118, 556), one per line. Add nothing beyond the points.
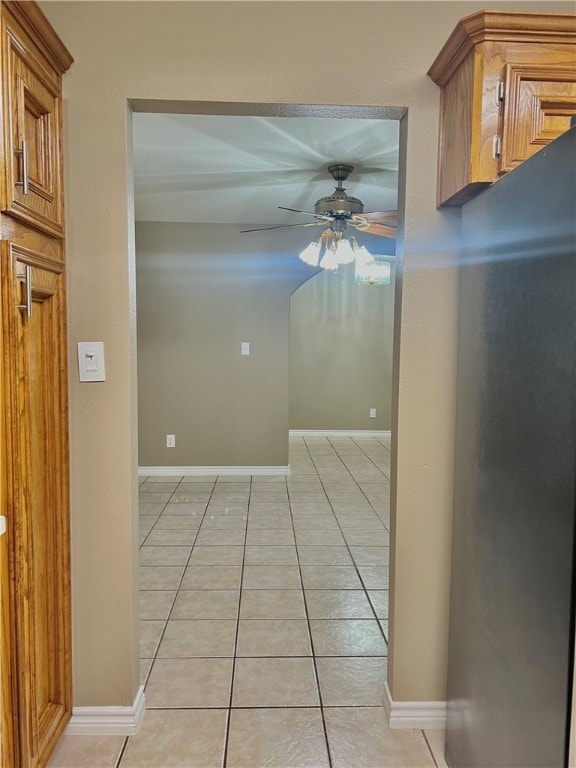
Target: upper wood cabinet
(508, 87)
(31, 123)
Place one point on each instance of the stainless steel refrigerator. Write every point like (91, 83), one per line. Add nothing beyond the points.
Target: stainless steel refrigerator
(512, 596)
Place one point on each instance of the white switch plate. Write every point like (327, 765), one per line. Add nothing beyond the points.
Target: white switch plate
(245, 348)
(91, 361)
(170, 441)
(2, 525)
(372, 413)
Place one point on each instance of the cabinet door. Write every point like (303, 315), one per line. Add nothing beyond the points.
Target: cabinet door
(539, 101)
(33, 189)
(37, 496)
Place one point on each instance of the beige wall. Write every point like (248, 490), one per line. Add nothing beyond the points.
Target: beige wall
(201, 291)
(316, 53)
(341, 353)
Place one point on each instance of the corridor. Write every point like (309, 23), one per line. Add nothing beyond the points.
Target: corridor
(264, 605)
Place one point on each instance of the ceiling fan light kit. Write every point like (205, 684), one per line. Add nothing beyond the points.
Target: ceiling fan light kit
(336, 212)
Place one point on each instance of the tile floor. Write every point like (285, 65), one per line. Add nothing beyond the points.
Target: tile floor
(263, 607)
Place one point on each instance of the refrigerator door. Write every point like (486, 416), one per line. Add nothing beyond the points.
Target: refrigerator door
(511, 631)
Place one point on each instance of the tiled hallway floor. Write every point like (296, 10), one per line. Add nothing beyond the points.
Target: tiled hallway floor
(264, 605)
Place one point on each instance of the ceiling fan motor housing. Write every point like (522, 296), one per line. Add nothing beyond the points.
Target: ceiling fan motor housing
(339, 204)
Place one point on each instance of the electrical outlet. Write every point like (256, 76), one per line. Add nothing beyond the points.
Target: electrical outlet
(170, 441)
(372, 413)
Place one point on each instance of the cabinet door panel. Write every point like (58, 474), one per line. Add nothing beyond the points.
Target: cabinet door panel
(37, 498)
(31, 128)
(538, 104)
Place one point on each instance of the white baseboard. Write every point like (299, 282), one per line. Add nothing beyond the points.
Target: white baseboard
(414, 714)
(381, 433)
(148, 471)
(107, 721)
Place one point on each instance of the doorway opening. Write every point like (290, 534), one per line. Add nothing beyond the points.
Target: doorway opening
(262, 557)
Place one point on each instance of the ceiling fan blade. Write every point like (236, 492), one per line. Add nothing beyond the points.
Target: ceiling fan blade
(295, 210)
(381, 217)
(382, 230)
(285, 226)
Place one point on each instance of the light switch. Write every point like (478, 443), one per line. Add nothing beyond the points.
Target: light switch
(245, 349)
(91, 361)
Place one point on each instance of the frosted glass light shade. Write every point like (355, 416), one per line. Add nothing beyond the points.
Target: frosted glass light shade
(344, 252)
(311, 254)
(329, 260)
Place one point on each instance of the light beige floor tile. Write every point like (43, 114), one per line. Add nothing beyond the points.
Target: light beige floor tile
(170, 537)
(178, 738)
(150, 508)
(258, 479)
(150, 634)
(316, 522)
(206, 604)
(347, 637)
(164, 577)
(272, 604)
(379, 600)
(338, 604)
(234, 478)
(230, 498)
(271, 637)
(330, 577)
(223, 523)
(271, 555)
(435, 741)
(280, 522)
(184, 683)
(176, 522)
(150, 486)
(277, 738)
(221, 555)
(185, 487)
(155, 604)
(278, 682)
(87, 752)
(190, 498)
(352, 682)
(184, 639)
(271, 577)
(156, 498)
(269, 536)
(319, 537)
(169, 555)
(217, 538)
(358, 522)
(231, 508)
(212, 577)
(327, 555)
(374, 576)
(378, 536)
(359, 737)
(232, 487)
(188, 509)
(270, 507)
(370, 555)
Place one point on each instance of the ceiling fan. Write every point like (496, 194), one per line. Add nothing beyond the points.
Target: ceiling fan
(339, 210)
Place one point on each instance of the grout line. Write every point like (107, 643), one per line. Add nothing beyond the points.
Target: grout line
(118, 762)
(314, 663)
(429, 747)
(229, 718)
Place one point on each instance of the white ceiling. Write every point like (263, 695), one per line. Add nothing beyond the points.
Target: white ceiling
(237, 170)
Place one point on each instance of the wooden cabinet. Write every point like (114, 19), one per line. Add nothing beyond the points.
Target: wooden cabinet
(35, 654)
(508, 87)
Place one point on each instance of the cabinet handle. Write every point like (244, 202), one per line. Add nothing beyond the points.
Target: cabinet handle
(27, 307)
(24, 153)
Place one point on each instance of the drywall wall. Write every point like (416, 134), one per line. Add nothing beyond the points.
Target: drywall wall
(341, 353)
(264, 52)
(202, 290)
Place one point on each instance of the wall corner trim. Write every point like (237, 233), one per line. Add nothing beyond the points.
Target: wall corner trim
(164, 471)
(107, 721)
(381, 433)
(414, 714)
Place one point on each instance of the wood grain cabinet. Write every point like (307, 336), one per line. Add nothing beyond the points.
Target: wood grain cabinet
(508, 87)
(35, 655)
